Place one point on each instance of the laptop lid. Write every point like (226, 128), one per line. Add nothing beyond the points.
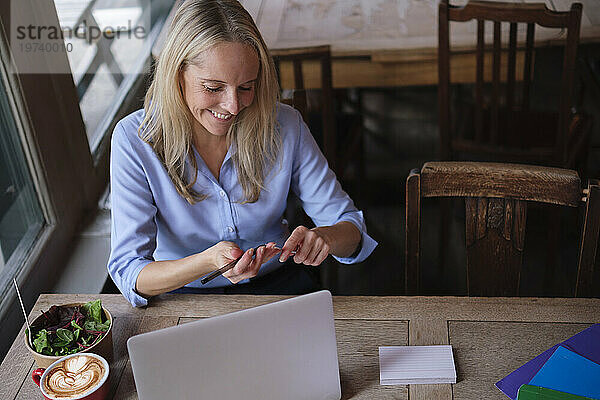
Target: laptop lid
(281, 350)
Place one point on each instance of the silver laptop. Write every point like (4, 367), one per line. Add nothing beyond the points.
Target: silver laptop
(283, 350)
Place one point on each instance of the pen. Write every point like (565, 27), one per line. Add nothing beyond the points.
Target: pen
(226, 267)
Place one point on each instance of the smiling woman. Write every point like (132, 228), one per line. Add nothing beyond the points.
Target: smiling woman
(217, 86)
(205, 169)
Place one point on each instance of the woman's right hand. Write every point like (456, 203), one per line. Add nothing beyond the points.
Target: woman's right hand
(247, 267)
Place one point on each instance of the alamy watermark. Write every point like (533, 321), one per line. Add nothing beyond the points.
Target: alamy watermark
(37, 39)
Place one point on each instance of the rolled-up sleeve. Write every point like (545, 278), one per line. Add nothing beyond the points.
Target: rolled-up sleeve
(321, 195)
(133, 231)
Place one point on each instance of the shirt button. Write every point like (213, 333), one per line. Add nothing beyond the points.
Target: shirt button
(222, 193)
(230, 229)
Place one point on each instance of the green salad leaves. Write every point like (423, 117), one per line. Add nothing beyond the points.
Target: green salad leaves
(67, 330)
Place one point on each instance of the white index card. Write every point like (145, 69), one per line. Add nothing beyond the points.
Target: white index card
(404, 365)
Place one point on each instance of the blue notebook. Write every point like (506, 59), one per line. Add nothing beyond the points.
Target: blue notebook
(569, 372)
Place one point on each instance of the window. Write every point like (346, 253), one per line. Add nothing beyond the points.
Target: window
(21, 216)
(104, 40)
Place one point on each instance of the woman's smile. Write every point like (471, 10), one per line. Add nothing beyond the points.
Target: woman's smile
(221, 116)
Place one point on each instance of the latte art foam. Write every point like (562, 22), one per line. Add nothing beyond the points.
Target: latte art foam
(74, 377)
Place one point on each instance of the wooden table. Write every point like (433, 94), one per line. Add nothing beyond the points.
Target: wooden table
(381, 43)
(490, 337)
(386, 42)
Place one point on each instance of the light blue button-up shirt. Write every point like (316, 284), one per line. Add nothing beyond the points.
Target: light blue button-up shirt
(151, 221)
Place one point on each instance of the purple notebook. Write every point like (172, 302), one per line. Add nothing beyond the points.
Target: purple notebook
(585, 343)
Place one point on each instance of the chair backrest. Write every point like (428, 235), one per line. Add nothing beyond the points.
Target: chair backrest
(496, 196)
(298, 57)
(499, 106)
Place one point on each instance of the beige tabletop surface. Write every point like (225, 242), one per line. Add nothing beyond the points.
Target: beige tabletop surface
(490, 337)
(378, 43)
(370, 26)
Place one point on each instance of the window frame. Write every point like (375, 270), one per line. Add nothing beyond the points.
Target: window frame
(51, 138)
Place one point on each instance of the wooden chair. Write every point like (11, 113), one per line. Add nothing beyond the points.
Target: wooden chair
(496, 198)
(500, 124)
(321, 54)
(496, 120)
(341, 118)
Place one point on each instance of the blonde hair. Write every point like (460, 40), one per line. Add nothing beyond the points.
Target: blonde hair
(197, 26)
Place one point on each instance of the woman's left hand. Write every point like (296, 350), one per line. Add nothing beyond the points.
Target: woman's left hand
(249, 263)
(311, 246)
